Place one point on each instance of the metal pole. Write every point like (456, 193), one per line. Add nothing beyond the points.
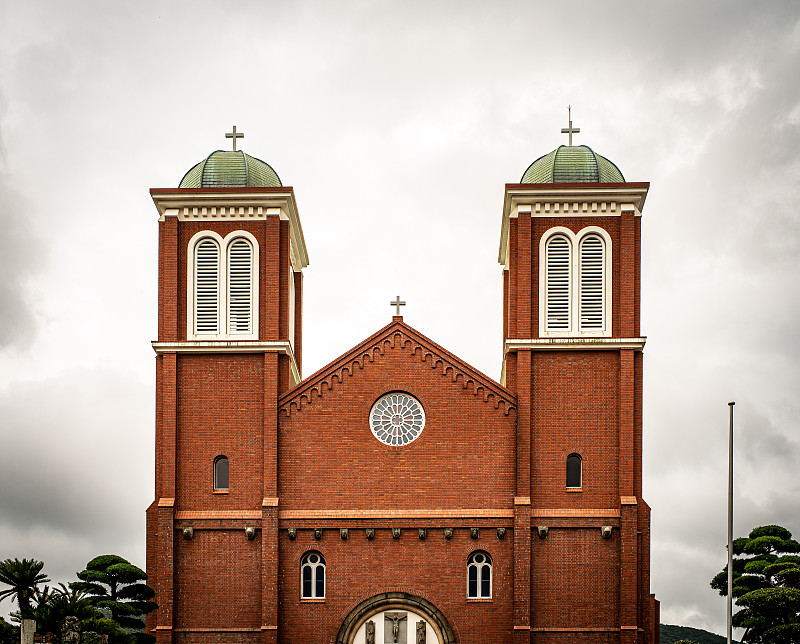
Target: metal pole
(730, 525)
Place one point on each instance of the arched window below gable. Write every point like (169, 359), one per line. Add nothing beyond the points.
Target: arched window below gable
(479, 575)
(312, 576)
(221, 473)
(574, 471)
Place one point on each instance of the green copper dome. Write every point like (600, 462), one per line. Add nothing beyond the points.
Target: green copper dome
(236, 169)
(567, 164)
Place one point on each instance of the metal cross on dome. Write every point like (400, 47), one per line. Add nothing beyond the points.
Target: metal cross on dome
(234, 135)
(570, 130)
(397, 303)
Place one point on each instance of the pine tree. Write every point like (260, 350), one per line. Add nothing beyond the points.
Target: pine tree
(115, 586)
(766, 585)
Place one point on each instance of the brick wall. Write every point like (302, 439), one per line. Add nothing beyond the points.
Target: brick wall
(434, 568)
(328, 457)
(220, 410)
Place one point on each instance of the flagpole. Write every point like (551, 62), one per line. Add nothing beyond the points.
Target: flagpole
(730, 524)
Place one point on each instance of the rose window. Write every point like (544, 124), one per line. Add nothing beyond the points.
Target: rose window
(397, 419)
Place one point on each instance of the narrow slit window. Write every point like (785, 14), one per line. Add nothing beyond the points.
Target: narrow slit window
(240, 287)
(574, 473)
(557, 284)
(221, 473)
(206, 287)
(592, 284)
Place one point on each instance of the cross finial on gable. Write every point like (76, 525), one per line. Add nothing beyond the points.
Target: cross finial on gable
(397, 303)
(570, 130)
(234, 135)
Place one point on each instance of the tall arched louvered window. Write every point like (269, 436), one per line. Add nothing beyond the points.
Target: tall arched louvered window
(240, 286)
(592, 284)
(206, 286)
(557, 284)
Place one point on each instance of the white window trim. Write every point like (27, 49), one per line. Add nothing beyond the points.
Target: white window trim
(490, 563)
(575, 244)
(313, 566)
(222, 307)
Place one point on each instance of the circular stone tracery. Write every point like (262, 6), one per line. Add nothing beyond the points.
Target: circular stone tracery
(397, 419)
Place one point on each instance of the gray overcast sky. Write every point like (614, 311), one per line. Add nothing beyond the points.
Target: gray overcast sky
(398, 125)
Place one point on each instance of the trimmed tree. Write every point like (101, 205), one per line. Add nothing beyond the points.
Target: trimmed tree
(23, 578)
(116, 587)
(766, 586)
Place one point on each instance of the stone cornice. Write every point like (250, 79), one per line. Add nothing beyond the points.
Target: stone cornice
(397, 334)
(573, 344)
(569, 200)
(452, 513)
(236, 204)
(229, 346)
(542, 513)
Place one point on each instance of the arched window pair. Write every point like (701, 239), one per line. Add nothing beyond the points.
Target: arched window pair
(575, 283)
(312, 576)
(223, 286)
(479, 575)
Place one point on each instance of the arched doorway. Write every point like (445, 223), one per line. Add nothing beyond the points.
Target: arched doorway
(395, 617)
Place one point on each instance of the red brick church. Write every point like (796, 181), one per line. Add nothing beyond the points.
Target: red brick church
(399, 494)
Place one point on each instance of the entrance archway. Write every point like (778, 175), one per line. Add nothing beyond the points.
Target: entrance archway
(395, 615)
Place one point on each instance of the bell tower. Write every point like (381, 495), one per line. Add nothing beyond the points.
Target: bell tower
(230, 260)
(570, 249)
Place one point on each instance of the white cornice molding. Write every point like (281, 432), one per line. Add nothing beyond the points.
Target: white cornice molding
(187, 205)
(230, 346)
(552, 200)
(574, 344)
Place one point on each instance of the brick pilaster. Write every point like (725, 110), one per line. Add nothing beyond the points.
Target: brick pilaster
(168, 280)
(169, 414)
(524, 275)
(522, 569)
(298, 321)
(165, 567)
(283, 282)
(523, 391)
(269, 509)
(629, 572)
(514, 288)
(627, 275)
(269, 571)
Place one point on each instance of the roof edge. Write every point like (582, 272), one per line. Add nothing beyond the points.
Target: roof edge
(396, 325)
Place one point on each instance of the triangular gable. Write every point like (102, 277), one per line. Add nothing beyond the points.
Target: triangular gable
(397, 334)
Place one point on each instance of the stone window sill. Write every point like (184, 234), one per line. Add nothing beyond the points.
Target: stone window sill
(220, 491)
(574, 489)
(479, 600)
(309, 600)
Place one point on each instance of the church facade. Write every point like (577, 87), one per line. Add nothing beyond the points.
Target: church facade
(399, 494)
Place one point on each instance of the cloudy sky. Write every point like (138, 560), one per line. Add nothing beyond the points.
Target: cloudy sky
(398, 125)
